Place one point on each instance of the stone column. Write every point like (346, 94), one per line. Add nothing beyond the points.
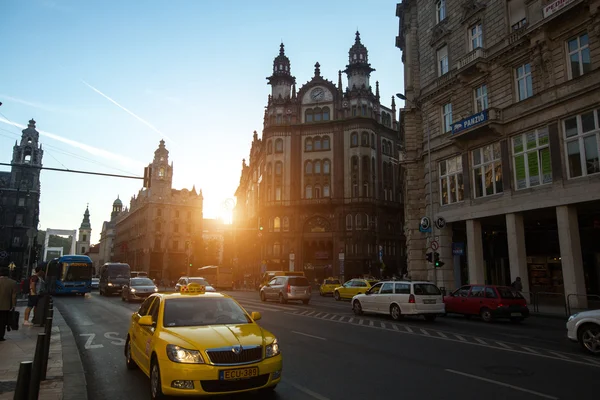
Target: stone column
(570, 253)
(517, 253)
(475, 252)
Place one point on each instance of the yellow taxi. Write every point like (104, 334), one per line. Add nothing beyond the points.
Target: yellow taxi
(328, 286)
(196, 343)
(353, 287)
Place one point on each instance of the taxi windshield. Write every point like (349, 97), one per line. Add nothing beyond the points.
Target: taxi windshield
(201, 311)
(332, 282)
(141, 282)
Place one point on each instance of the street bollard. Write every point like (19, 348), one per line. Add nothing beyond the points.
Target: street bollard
(48, 332)
(23, 381)
(36, 370)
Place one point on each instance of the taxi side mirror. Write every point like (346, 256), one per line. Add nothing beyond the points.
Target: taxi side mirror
(256, 315)
(146, 320)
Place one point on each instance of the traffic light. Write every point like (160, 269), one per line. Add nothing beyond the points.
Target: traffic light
(260, 228)
(429, 257)
(147, 176)
(436, 260)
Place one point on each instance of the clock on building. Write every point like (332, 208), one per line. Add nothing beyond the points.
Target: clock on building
(317, 94)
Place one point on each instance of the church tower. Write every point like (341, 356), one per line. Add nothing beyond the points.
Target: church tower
(27, 153)
(358, 69)
(282, 80)
(162, 172)
(85, 233)
(117, 208)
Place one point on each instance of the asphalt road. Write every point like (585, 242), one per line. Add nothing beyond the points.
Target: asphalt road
(331, 354)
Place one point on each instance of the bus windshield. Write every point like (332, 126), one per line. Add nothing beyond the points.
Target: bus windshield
(76, 271)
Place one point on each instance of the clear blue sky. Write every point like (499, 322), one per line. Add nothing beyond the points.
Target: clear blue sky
(192, 72)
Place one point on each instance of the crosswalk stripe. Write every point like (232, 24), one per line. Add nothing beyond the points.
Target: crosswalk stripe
(481, 341)
(325, 316)
(371, 323)
(317, 315)
(360, 322)
(530, 350)
(462, 339)
(395, 327)
(341, 319)
(407, 328)
(425, 332)
(503, 345)
(559, 355)
(334, 317)
(383, 325)
(441, 334)
(310, 313)
(351, 320)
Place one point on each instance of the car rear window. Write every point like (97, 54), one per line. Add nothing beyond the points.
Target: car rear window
(426, 289)
(332, 282)
(508, 293)
(298, 281)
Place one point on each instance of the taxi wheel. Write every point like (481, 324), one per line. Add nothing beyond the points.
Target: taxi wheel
(262, 296)
(128, 360)
(155, 384)
(336, 295)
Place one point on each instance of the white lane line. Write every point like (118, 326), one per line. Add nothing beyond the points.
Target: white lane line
(530, 350)
(351, 320)
(371, 323)
(424, 332)
(441, 334)
(503, 345)
(395, 327)
(481, 341)
(311, 313)
(304, 390)
(383, 325)
(325, 316)
(545, 396)
(304, 312)
(408, 329)
(559, 355)
(334, 317)
(360, 322)
(596, 362)
(462, 339)
(317, 315)
(306, 334)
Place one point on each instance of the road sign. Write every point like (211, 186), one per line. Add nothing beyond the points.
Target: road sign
(425, 223)
(440, 222)
(434, 245)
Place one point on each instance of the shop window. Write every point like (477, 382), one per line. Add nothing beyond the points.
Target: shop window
(451, 181)
(487, 170)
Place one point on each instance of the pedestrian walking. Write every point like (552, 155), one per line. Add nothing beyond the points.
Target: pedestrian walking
(517, 284)
(8, 300)
(36, 288)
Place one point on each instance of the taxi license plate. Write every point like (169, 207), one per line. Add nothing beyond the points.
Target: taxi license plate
(515, 314)
(428, 301)
(236, 374)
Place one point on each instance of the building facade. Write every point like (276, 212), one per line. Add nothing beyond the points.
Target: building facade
(107, 235)
(502, 134)
(321, 192)
(20, 203)
(161, 230)
(85, 233)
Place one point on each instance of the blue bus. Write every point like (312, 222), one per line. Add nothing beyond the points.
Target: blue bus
(69, 274)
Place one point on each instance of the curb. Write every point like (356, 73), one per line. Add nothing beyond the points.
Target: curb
(74, 382)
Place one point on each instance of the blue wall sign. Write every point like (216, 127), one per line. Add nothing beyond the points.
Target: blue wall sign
(458, 248)
(469, 122)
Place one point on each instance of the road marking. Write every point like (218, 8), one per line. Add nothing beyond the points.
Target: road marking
(117, 341)
(383, 325)
(481, 341)
(317, 315)
(425, 332)
(502, 384)
(311, 313)
(395, 327)
(325, 316)
(304, 390)
(334, 317)
(462, 339)
(360, 322)
(559, 355)
(441, 334)
(530, 350)
(304, 312)
(351, 320)
(341, 319)
(408, 329)
(306, 334)
(371, 323)
(503, 345)
(88, 344)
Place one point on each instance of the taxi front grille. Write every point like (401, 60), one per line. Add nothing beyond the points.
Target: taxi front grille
(231, 386)
(226, 356)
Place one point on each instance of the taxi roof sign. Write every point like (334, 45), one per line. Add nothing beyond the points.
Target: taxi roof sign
(193, 288)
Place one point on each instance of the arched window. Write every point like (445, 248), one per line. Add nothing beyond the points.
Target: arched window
(326, 145)
(308, 144)
(269, 169)
(286, 224)
(317, 167)
(317, 143)
(269, 147)
(277, 224)
(279, 146)
(366, 221)
(270, 224)
(308, 115)
(317, 114)
(354, 164)
(326, 167)
(372, 140)
(358, 221)
(364, 140)
(349, 222)
(308, 168)
(276, 249)
(326, 192)
(161, 172)
(317, 192)
(325, 113)
(354, 139)
(308, 192)
(278, 168)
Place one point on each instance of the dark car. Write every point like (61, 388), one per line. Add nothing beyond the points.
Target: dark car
(138, 289)
(113, 276)
(487, 301)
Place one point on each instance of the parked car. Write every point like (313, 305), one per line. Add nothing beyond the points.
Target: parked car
(400, 298)
(584, 327)
(286, 288)
(138, 289)
(184, 281)
(488, 301)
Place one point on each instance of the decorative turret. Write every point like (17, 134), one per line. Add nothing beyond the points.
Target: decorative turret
(282, 80)
(28, 152)
(358, 69)
(162, 172)
(117, 208)
(85, 233)
(85, 223)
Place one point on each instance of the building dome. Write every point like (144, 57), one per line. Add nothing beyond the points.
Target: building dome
(118, 202)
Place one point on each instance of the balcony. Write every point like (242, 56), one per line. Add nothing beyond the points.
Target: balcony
(473, 63)
(481, 123)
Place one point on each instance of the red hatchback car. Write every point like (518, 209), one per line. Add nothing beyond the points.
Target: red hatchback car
(487, 301)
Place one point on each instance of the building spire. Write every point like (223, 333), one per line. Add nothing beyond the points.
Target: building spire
(377, 90)
(317, 69)
(340, 81)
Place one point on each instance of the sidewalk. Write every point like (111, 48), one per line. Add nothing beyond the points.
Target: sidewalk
(64, 377)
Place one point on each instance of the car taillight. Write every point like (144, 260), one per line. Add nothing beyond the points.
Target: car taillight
(411, 298)
(500, 305)
(289, 288)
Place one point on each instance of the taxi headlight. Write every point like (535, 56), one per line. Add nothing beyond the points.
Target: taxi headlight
(180, 355)
(272, 349)
(110, 284)
(132, 290)
(155, 289)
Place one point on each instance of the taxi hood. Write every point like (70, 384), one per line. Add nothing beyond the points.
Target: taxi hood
(215, 336)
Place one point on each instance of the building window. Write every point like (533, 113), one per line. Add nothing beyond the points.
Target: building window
(308, 192)
(277, 193)
(481, 98)
(364, 139)
(442, 61)
(348, 222)
(269, 169)
(308, 168)
(326, 167)
(159, 212)
(276, 224)
(354, 139)
(524, 82)
(317, 192)
(358, 220)
(308, 115)
(269, 147)
(451, 180)
(161, 172)
(21, 202)
(308, 144)
(363, 110)
(517, 14)
(476, 36)
(447, 117)
(326, 144)
(372, 140)
(579, 56)
(487, 170)
(531, 153)
(278, 168)
(279, 119)
(317, 114)
(286, 224)
(177, 214)
(440, 10)
(82, 249)
(325, 113)
(582, 138)
(157, 244)
(317, 144)
(279, 146)
(84, 238)
(276, 249)
(317, 169)
(326, 192)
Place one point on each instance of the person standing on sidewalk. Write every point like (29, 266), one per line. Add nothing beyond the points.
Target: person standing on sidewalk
(36, 285)
(8, 299)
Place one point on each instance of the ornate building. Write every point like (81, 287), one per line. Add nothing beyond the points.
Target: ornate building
(502, 128)
(321, 192)
(20, 203)
(107, 236)
(161, 231)
(85, 233)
